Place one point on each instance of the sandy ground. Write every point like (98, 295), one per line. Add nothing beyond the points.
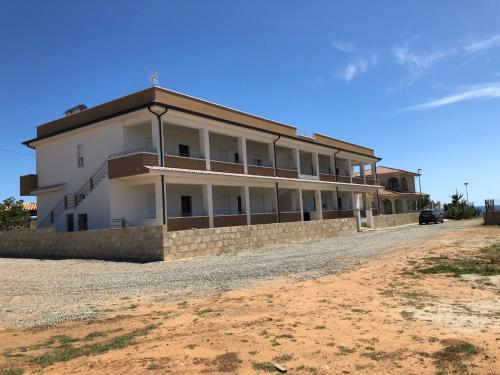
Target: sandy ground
(381, 317)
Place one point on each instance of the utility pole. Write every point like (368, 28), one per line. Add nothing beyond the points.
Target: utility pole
(419, 184)
(466, 191)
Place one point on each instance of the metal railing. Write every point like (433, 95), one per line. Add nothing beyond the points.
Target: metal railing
(133, 151)
(121, 223)
(71, 201)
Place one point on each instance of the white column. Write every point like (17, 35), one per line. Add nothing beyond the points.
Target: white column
(206, 146)
(155, 139)
(297, 159)
(158, 202)
(242, 149)
(357, 211)
(373, 169)
(208, 203)
(316, 163)
(319, 204)
(271, 153)
(247, 203)
(349, 165)
(276, 198)
(335, 200)
(301, 205)
(332, 164)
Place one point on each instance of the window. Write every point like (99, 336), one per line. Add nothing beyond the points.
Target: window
(151, 202)
(83, 222)
(79, 155)
(186, 205)
(236, 157)
(184, 150)
(70, 225)
(257, 160)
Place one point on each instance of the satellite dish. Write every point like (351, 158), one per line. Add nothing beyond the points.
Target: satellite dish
(154, 79)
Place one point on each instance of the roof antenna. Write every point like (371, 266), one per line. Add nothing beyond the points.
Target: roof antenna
(154, 79)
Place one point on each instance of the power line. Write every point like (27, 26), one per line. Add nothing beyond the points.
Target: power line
(16, 152)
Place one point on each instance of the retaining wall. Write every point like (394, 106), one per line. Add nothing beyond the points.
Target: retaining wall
(156, 243)
(387, 221)
(135, 244)
(213, 241)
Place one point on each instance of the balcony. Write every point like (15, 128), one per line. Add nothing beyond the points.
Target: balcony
(344, 178)
(28, 183)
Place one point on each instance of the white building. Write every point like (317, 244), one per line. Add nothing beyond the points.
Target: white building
(157, 157)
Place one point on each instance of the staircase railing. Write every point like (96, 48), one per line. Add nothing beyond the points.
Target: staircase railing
(71, 201)
(121, 223)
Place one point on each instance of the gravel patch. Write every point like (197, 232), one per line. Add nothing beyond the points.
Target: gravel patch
(48, 292)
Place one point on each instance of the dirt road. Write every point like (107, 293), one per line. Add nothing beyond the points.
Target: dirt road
(44, 292)
(425, 309)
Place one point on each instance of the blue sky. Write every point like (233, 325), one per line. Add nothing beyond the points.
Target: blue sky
(417, 81)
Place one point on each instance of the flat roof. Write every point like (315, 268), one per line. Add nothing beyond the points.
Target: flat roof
(185, 103)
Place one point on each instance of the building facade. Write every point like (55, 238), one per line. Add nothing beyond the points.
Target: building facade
(157, 157)
(399, 194)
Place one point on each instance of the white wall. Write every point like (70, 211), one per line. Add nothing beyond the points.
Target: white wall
(134, 137)
(130, 202)
(174, 193)
(262, 200)
(175, 135)
(285, 158)
(258, 150)
(343, 166)
(227, 145)
(220, 196)
(327, 198)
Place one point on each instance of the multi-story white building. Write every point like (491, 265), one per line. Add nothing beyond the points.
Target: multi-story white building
(157, 157)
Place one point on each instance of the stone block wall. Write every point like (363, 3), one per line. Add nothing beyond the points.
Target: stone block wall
(133, 244)
(156, 243)
(213, 241)
(492, 218)
(387, 221)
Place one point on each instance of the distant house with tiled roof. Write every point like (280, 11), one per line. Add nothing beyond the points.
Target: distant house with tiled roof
(399, 194)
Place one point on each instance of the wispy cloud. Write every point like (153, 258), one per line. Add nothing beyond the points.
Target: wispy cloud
(420, 63)
(354, 69)
(484, 91)
(345, 47)
(481, 45)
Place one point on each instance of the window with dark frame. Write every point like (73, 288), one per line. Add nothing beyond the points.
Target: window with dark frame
(184, 150)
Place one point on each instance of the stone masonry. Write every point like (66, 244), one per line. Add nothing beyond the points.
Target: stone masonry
(156, 243)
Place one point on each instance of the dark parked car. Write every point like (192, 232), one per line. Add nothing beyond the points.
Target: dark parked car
(430, 216)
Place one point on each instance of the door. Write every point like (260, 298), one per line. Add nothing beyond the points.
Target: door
(83, 222)
(186, 208)
(70, 225)
(240, 208)
(186, 205)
